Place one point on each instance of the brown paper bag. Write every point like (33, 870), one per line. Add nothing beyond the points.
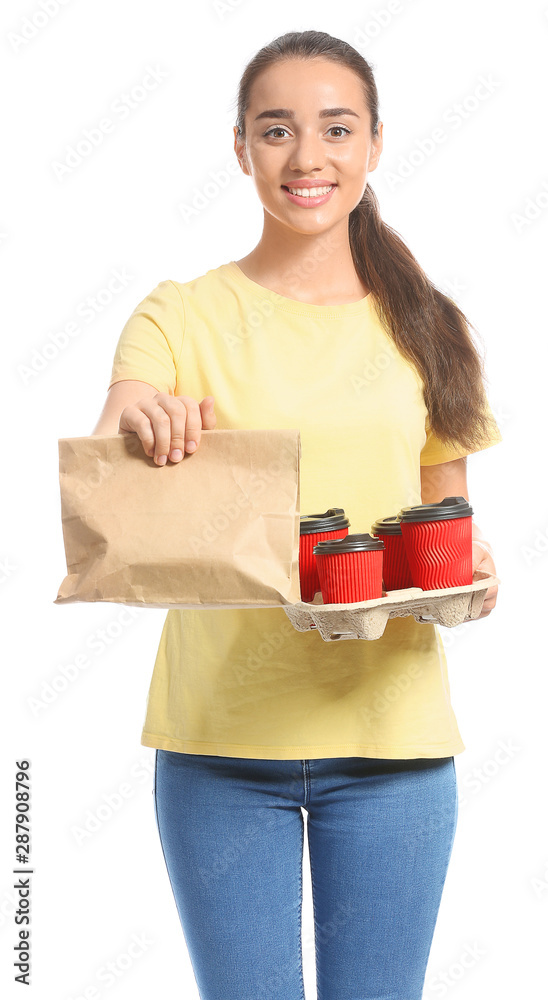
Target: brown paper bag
(220, 529)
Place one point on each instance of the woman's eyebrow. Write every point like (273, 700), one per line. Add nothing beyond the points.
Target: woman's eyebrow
(288, 113)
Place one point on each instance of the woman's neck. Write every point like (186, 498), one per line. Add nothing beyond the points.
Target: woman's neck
(318, 270)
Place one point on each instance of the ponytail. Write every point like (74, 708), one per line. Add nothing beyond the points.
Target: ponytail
(427, 327)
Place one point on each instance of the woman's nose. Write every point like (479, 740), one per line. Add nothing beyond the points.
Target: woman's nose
(307, 154)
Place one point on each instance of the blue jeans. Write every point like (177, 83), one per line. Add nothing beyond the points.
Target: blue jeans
(380, 835)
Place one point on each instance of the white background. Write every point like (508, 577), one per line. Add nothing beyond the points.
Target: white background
(474, 212)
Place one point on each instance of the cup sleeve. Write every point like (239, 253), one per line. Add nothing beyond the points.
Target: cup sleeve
(435, 451)
(151, 341)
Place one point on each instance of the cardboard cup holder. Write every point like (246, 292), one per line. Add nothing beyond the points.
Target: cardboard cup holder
(448, 606)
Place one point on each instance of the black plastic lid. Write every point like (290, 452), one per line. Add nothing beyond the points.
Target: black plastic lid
(386, 526)
(334, 519)
(447, 508)
(352, 543)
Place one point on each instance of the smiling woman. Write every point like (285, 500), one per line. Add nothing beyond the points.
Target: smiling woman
(331, 326)
(427, 327)
(312, 192)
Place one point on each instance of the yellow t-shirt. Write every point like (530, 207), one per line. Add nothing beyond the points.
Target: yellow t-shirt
(244, 682)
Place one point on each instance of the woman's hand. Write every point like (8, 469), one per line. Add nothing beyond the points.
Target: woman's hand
(482, 559)
(168, 426)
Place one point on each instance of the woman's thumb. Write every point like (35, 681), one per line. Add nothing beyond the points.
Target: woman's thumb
(208, 405)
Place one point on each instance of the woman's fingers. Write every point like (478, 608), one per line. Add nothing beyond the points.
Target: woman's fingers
(483, 560)
(489, 602)
(168, 426)
(150, 419)
(132, 419)
(208, 413)
(186, 426)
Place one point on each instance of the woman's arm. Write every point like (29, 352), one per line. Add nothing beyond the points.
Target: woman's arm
(449, 480)
(167, 425)
(121, 394)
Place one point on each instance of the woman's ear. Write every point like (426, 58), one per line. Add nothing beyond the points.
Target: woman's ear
(376, 149)
(239, 149)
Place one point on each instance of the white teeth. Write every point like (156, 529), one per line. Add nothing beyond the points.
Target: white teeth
(310, 192)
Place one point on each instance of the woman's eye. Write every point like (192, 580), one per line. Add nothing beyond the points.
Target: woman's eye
(339, 127)
(282, 128)
(275, 128)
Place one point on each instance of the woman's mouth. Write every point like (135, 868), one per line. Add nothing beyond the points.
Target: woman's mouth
(309, 197)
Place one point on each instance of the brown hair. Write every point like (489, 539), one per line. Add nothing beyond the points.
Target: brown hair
(427, 327)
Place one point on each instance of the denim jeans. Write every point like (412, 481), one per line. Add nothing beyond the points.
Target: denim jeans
(380, 836)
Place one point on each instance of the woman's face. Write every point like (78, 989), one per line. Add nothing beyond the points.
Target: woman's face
(297, 141)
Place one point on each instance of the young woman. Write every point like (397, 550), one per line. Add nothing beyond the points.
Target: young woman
(328, 325)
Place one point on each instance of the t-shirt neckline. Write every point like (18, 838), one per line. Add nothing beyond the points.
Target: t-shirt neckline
(345, 309)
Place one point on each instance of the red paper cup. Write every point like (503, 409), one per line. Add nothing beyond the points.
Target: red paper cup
(438, 543)
(396, 572)
(350, 569)
(315, 528)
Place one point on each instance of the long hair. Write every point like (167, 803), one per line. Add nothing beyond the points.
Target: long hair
(427, 327)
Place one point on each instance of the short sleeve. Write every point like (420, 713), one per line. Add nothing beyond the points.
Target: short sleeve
(435, 451)
(150, 343)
